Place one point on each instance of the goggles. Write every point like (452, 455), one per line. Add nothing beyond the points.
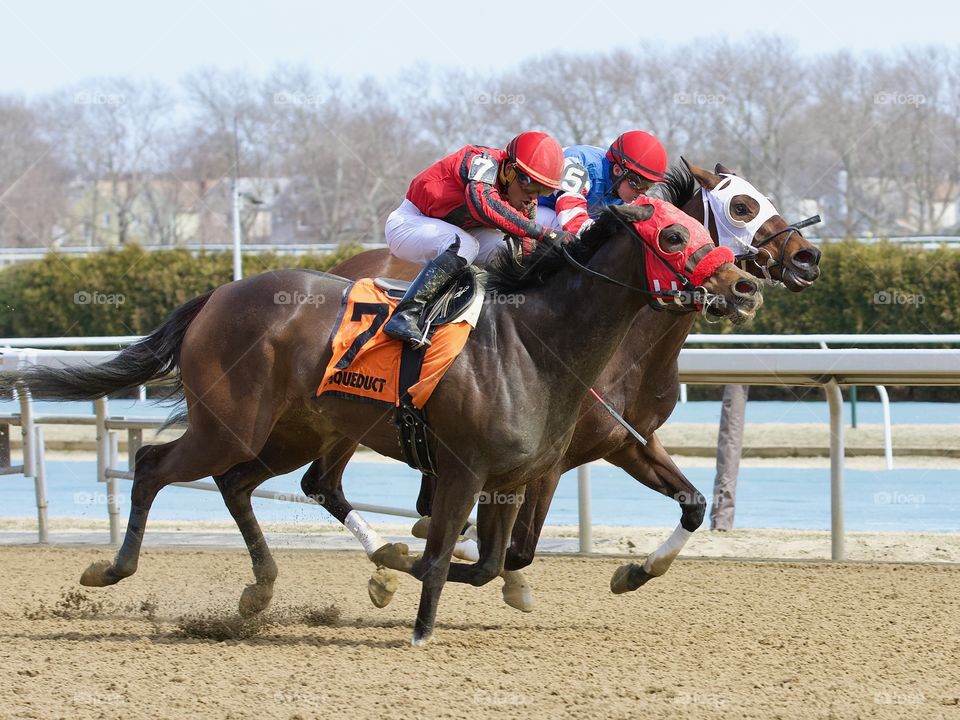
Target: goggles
(531, 185)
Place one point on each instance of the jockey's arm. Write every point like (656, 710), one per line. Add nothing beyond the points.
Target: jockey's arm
(572, 213)
(486, 205)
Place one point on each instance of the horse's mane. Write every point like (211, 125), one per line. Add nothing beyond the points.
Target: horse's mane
(506, 275)
(678, 187)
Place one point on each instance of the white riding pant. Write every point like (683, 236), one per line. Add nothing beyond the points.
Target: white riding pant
(416, 238)
(548, 217)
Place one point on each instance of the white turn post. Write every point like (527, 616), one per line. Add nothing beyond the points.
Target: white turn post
(586, 520)
(835, 398)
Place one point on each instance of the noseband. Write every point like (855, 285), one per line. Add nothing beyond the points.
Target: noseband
(775, 262)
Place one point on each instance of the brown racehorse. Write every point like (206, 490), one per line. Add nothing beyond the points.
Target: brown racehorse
(249, 361)
(641, 383)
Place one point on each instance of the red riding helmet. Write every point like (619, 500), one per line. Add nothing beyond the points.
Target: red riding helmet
(639, 152)
(539, 156)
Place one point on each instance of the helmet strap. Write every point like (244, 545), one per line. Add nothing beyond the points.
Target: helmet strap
(617, 179)
(508, 176)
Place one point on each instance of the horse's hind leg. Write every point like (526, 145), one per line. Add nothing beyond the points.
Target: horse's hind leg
(322, 482)
(157, 466)
(652, 466)
(236, 486)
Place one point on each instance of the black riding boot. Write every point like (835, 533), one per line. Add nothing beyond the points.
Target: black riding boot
(404, 324)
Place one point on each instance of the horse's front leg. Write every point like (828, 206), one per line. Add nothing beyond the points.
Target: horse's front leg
(452, 502)
(496, 515)
(652, 466)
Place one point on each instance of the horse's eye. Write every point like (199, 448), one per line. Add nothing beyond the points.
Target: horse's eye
(741, 209)
(673, 238)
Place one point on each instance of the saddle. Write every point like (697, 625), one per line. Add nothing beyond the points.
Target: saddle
(451, 305)
(369, 366)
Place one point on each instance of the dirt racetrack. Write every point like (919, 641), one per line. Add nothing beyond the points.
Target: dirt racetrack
(726, 639)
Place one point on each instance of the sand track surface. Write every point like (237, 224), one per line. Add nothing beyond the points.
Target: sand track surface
(711, 639)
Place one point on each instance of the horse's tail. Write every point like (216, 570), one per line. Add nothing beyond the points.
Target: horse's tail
(148, 359)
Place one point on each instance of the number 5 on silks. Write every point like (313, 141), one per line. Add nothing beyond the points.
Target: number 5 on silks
(575, 178)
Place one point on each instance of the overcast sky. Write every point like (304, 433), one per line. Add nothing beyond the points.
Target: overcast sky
(49, 45)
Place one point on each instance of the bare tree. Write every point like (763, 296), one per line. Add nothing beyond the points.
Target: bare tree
(33, 183)
(108, 130)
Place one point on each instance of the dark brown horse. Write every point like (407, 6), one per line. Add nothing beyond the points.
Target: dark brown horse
(641, 383)
(249, 361)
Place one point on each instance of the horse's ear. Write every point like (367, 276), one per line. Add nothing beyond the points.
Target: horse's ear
(633, 213)
(706, 179)
(721, 169)
(613, 219)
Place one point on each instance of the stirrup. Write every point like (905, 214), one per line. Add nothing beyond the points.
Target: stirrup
(417, 343)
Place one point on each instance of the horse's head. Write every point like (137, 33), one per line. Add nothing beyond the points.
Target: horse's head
(683, 268)
(743, 219)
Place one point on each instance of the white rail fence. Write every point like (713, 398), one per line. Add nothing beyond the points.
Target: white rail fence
(827, 368)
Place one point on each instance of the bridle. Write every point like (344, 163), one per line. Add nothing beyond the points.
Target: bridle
(740, 235)
(744, 261)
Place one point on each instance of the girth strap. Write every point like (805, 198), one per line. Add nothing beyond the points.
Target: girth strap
(414, 433)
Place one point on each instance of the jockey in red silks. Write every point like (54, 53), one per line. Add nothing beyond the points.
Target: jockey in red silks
(594, 178)
(458, 210)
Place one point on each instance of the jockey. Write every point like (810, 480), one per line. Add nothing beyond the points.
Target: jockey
(458, 210)
(594, 179)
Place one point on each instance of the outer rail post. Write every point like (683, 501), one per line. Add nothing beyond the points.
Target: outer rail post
(835, 398)
(40, 487)
(113, 497)
(134, 442)
(103, 462)
(887, 432)
(585, 515)
(27, 431)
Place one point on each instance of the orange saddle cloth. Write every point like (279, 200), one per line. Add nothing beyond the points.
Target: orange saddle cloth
(366, 363)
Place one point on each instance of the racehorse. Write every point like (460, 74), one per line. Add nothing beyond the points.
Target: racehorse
(249, 364)
(641, 381)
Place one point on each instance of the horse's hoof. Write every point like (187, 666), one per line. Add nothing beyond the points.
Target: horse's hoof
(627, 578)
(466, 549)
(254, 600)
(392, 555)
(98, 575)
(516, 592)
(421, 528)
(419, 640)
(381, 586)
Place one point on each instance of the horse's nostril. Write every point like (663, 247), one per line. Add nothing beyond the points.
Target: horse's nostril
(806, 258)
(745, 287)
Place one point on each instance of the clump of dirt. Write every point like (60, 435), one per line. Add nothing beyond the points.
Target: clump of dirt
(221, 628)
(148, 609)
(330, 616)
(72, 605)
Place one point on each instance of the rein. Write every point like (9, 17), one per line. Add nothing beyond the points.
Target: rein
(697, 295)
